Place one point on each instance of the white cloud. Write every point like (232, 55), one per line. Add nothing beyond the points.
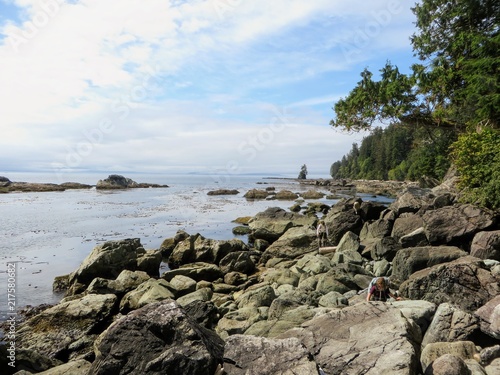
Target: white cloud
(181, 83)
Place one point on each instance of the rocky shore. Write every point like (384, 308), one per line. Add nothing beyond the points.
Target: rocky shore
(277, 305)
(111, 183)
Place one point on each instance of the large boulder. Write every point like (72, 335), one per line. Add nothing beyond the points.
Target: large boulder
(197, 248)
(364, 338)
(341, 222)
(461, 349)
(245, 355)
(108, 261)
(238, 261)
(257, 295)
(451, 324)
(294, 243)
(159, 338)
(489, 316)
(410, 260)
(67, 330)
(376, 229)
(486, 245)
(405, 225)
(411, 200)
(150, 291)
(272, 223)
(197, 271)
(456, 224)
(465, 283)
(125, 282)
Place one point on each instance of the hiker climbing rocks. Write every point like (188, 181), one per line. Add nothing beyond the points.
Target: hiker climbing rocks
(322, 233)
(356, 207)
(380, 291)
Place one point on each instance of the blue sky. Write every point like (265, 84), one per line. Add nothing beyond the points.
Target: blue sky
(169, 86)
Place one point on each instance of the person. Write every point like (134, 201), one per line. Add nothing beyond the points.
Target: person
(380, 292)
(322, 233)
(356, 207)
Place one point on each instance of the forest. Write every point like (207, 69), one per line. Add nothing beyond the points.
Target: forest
(446, 112)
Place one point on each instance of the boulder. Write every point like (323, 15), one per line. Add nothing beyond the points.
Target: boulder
(451, 324)
(204, 312)
(384, 248)
(149, 262)
(125, 282)
(238, 261)
(257, 295)
(461, 349)
(286, 195)
(333, 299)
(159, 338)
(486, 245)
(150, 291)
(202, 294)
(182, 285)
(289, 319)
(465, 283)
(239, 321)
(406, 224)
(294, 243)
(311, 264)
(108, 260)
(258, 355)
(168, 245)
(196, 271)
(4, 181)
(410, 260)
(421, 312)
(456, 224)
(339, 223)
(377, 229)
(417, 238)
(312, 194)
(272, 223)
(448, 364)
(197, 248)
(489, 316)
(364, 338)
(256, 194)
(412, 200)
(277, 277)
(67, 330)
(349, 242)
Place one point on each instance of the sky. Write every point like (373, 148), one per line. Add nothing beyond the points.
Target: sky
(196, 86)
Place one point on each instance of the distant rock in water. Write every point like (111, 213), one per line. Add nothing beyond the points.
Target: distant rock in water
(116, 181)
(223, 192)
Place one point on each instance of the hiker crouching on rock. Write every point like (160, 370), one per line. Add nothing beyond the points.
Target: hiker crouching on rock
(322, 233)
(380, 292)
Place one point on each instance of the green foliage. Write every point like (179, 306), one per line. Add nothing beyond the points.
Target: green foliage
(397, 153)
(477, 159)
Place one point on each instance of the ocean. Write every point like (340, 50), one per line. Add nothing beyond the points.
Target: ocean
(49, 234)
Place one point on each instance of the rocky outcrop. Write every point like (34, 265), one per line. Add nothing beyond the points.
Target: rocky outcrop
(110, 259)
(157, 339)
(116, 181)
(272, 223)
(257, 355)
(67, 330)
(465, 283)
(223, 192)
(363, 338)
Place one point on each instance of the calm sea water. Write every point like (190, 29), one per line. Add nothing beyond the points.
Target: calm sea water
(50, 234)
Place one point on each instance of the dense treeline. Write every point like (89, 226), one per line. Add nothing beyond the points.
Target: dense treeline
(453, 94)
(397, 153)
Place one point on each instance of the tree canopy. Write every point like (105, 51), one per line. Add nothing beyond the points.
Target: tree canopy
(455, 85)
